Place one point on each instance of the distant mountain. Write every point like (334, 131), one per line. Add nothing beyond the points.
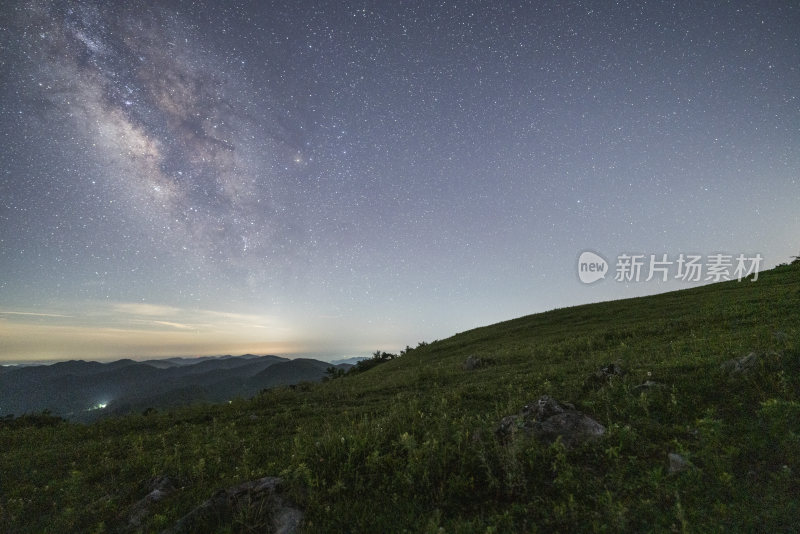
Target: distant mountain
(351, 361)
(85, 390)
(181, 361)
(290, 372)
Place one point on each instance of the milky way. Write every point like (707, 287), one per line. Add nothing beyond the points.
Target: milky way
(344, 176)
(169, 131)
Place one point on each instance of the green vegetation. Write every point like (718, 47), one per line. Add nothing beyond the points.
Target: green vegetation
(378, 357)
(409, 445)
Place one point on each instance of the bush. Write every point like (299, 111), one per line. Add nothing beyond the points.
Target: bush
(378, 357)
(35, 420)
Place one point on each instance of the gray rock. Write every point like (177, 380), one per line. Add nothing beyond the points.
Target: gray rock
(743, 364)
(472, 363)
(547, 420)
(160, 488)
(508, 426)
(603, 376)
(677, 463)
(263, 496)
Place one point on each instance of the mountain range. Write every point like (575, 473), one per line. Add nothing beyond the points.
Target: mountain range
(86, 390)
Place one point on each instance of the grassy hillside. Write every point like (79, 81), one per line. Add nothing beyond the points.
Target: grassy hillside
(409, 445)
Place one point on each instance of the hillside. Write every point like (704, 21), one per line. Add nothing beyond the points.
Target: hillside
(701, 418)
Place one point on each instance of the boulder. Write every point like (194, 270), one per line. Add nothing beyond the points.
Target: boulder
(547, 420)
(603, 376)
(740, 365)
(473, 362)
(262, 496)
(677, 463)
(160, 488)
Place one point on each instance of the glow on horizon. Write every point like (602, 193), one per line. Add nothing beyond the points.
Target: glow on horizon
(104, 331)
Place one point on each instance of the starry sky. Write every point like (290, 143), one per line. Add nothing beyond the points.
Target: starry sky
(332, 178)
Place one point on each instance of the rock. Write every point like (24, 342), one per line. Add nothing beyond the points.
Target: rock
(508, 426)
(262, 496)
(743, 364)
(603, 376)
(677, 463)
(472, 363)
(547, 420)
(546, 407)
(160, 488)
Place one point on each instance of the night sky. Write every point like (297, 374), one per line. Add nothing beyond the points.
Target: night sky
(333, 178)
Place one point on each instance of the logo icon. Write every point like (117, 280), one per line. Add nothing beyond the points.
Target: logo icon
(591, 267)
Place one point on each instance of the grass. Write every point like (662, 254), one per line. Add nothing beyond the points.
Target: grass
(409, 445)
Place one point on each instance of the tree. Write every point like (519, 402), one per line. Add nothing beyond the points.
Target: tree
(333, 372)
